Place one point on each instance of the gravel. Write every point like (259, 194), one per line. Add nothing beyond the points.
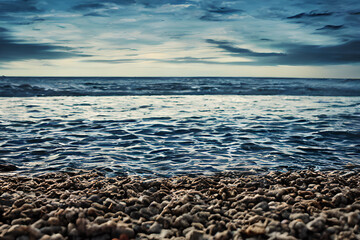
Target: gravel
(87, 205)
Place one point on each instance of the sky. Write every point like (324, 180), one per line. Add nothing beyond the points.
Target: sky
(269, 38)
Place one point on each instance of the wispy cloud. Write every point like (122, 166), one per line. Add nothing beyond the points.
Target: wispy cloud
(112, 61)
(297, 54)
(331, 27)
(311, 14)
(88, 6)
(241, 52)
(16, 50)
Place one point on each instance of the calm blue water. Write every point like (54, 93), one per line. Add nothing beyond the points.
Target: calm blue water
(171, 126)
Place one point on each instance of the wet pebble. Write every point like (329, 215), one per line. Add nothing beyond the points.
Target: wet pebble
(289, 205)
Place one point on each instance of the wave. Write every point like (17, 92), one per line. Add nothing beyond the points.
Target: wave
(91, 86)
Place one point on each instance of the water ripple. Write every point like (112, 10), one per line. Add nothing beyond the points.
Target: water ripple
(159, 135)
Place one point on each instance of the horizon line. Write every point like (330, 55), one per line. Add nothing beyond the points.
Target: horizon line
(7, 76)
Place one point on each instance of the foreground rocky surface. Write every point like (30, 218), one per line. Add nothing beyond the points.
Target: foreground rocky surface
(291, 205)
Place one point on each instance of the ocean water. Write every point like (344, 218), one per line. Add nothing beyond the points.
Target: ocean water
(174, 126)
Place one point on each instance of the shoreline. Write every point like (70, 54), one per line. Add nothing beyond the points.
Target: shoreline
(86, 205)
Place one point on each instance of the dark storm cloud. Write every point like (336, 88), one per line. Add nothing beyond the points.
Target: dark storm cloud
(355, 13)
(94, 14)
(211, 17)
(180, 60)
(15, 50)
(17, 6)
(155, 3)
(29, 21)
(218, 12)
(241, 52)
(104, 9)
(331, 27)
(147, 3)
(223, 10)
(88, 6)
(297, 54)
(310, 14)
(212, 61)
(94, 5)
(265, 39)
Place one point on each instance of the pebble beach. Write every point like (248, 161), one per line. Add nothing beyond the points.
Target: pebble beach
(87, 205)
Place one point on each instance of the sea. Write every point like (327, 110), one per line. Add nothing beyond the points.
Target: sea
(170, 126)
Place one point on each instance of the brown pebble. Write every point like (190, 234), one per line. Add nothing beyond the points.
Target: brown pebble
(225, 235)
(122, 228)
(181, 222)
(56, 236)
(316, 225)
(45, 237)
(16, 230)
(254, 230)
(81, 225)
(353, 218)
(21, 221)
(54, 221)
(155, 228)
(194, 235)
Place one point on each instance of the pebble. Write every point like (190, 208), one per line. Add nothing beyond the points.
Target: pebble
(339, 199)
(303, 216)
(155, 228)
(194, 235)
(316, 225)
(353, 218)
(298, 228)
(7, 167)
(262, 205)
(286, 205)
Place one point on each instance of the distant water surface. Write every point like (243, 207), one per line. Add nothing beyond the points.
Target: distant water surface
(167, 135)
(116, 86)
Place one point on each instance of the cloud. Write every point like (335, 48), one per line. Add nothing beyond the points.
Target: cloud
(207, 60)
(17, 6)
(15, 50)
(88, 6)
(27, 21)
(297, 54)
(241, 52)
(103, 9)
(331, 27)
(266, 39)
(223, 10)
(147, 3)
(94, 14)
(355, 13)
(310, 14)
(191, 60)
(217, 12)
(112, 61)
(94, 5)
(211, 17)
(155, 3)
